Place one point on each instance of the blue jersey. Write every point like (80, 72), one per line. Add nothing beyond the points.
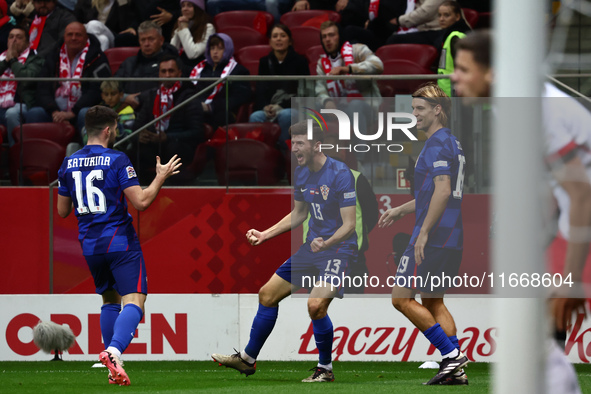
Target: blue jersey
(441, 155)
(326, 192)
(94, 178)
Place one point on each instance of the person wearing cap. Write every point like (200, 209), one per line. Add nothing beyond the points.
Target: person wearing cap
(192, 31)
(219, 62)
(48, 25)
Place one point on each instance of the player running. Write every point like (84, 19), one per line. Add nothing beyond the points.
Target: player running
(326, 188)
(96, 178)
(437, 240)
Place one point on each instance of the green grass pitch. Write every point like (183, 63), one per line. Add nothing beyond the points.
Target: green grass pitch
(271, 377)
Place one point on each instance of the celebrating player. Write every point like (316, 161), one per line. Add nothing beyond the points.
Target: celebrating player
(437, 240)
(95, 179)
(326, 188)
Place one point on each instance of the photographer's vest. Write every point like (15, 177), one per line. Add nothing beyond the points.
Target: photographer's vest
(446, 62)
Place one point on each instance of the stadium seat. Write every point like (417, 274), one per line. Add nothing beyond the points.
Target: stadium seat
(61, 133)
(116, 56)
(197, 165)
(297, 18)
(313, 54)
(402, 67)
(305, 37)
(249, 162)
(241, 18)
(249, 57)
(269, 132)
(421, 54)
(3, 134)
(41, 159)
(484, 20)
(471, 17)
(243, 36)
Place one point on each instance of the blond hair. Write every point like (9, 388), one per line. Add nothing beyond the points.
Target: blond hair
(434, 95)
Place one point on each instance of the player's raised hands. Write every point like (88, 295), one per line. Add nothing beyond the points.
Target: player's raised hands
(255, 237)
(389, 217)
(170, 168)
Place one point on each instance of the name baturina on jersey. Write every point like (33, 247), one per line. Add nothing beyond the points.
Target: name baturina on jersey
(89, 161)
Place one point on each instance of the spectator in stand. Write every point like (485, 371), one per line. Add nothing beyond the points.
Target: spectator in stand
(145, 63)
(21, 11)
(219, 62)
(333, 5)
(454, 28)
(192, 31)
(107, 19)
(342, 58)
(17, 61)
(419, 17)
(6, 24)
(48, 25)
(273, 98)
(164, 13)
(180, 132)
(78, 55)
(377, 26)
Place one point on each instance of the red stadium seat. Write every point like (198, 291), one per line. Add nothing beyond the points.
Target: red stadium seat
(297, 18)
(243, 36)
(305, 37)
(484, 20)
(41, 159)
(3, 134)
(116, 56)
(249, 57)
(313, 54)
(61, 133)
(196, 167)
(241, 18)
(421, 54)
(402, 67)
(471, 16)
(250, 162)
(269, 132)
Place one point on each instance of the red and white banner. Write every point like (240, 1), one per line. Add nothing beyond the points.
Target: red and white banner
(193, 326)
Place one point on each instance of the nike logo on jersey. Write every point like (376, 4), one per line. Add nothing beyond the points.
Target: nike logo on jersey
(303, 190)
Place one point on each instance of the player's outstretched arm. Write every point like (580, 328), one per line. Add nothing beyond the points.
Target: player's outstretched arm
(140, 198)
(291, 220)
(396, 213)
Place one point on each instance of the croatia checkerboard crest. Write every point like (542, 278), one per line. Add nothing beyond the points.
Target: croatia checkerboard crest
(324, 190)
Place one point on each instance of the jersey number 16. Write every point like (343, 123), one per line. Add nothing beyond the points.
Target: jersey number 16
(91, 192)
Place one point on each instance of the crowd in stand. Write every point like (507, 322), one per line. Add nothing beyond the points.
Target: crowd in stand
(68, 39)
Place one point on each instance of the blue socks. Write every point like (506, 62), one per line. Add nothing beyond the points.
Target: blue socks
(454, 340)
(437, 337)
(323, 335)
(109, 313)
(125, 326)
(262, 325)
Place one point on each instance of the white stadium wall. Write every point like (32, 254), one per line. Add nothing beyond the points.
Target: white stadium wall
(193, 326)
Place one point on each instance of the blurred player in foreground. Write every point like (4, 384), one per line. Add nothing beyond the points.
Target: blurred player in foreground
(95, 178)
(436, 244)
(326, 188)
(568, 143)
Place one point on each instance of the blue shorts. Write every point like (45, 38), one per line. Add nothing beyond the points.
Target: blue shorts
(437, 262)
(305, 268)
(122, 271)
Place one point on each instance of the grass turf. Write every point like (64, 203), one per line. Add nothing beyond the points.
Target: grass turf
(271, 377)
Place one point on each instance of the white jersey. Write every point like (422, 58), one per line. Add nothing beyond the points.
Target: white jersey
(567, 125)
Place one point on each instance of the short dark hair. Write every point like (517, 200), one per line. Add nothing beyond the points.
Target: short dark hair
(97, 118)
(479, 44)
(215, 41)
(23, 29)
(326, 24)
(168, 57)
(301, 128)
